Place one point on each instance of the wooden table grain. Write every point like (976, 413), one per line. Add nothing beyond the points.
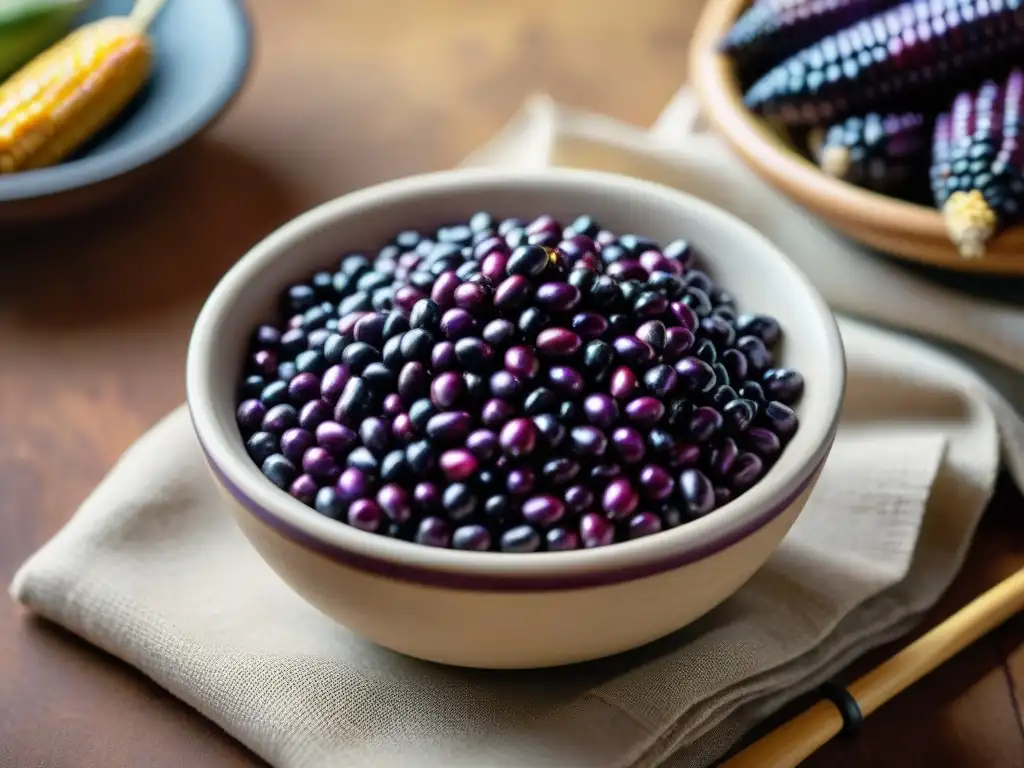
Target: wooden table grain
(95, 317)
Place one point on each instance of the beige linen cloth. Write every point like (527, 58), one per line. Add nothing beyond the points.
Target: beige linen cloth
(151, 569)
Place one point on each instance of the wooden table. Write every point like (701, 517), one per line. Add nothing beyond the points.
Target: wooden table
(95, 316)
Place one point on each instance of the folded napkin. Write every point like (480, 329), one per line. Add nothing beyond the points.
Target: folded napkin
(153, 570)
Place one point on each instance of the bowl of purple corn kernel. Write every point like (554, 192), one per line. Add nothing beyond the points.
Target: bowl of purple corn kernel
(508, 419)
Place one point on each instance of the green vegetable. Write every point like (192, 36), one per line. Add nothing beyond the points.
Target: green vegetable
(28, 27)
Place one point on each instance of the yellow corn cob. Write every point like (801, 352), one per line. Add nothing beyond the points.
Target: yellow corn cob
(68, 93)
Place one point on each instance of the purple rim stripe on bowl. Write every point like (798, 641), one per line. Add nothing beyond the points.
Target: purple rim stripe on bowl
(483, 583)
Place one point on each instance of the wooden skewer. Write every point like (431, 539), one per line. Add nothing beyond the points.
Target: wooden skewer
(791, 743)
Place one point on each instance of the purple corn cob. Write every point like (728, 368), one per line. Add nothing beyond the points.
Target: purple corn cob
(977, 172)
(899, 59)
(773, 30)
(885, 153)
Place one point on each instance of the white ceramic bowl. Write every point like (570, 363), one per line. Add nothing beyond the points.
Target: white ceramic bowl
(504, 610)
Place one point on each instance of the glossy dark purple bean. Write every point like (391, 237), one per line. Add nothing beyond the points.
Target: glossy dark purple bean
(763, 442)
(442, 357)
(304, 488)
(619, 499)
(704, 424)
(565, 380)
(483, 444)
(426, 497)
(314, 413)
(558, 342)
(633, 351)
(557, 297)
(751, 390)
(656, 483)
(544, 511)
(746, 471)
(650, 304)
(426, 315)
(295, 442)
(588, 441)
(374, 434)
(394, 500)
(598, 357)
(735, 363)
(407, 296)
(738, 415)
(629, 444)
(335, 438)
(472, 538)
(626, 269)
(654, 334)
(759, 359)
(265, 362)
(379, 377)
(521, 481)
(329, 504)
(512, 293)
(370, 329)
(527, 261)
(521, 539)
(496, 412)
(362, 458)
(433, 532)
(354, 401)
(643, 524)
(521, 362)
(275, 393)
(279, 470)
(561, 540)
(605, 471)
(279, 418)
(505, 385)
(595, 531)
(698, 494)
(763, 327)
(781, 419)
(550, 429)
(695, 375)
(266, 336)
(443, 292)
(723, 496)
(471, 297)
(661, 380)
(319, 463)
(645, 411)
(722, 457)
(250, 415)
(457, 323)
(412, 381)
(579, 498)
(474, 355)
(499, 333)
(718, 330)
(353, 484)
(623, 383)
(459, 501)
(589, 325)
(402, 428)
(684, 315)
(518, 437)
(783, 384)
(601, 410)
(449, 427)
(446, 389)
(458, 464)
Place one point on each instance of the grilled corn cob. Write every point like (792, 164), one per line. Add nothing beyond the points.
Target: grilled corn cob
(773, 30)
(65, 95)
(885, 153)
(901, 58)
(978, 163)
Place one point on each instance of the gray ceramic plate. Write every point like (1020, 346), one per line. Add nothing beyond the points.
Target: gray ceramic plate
(203, 51)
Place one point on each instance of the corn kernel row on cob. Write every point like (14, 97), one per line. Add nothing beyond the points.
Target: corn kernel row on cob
(773, 30)
(885, 153)
(65, 95)
(902, 58)
(978, 163)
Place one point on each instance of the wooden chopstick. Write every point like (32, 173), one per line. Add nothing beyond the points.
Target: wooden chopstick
(799, 738)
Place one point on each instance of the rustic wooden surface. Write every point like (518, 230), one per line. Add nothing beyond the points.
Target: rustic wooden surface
(95, 316)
